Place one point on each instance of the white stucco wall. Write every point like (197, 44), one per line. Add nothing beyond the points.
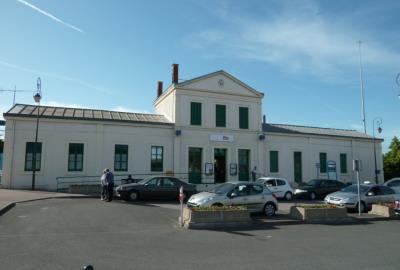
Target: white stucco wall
(310, 147)
(99, 140)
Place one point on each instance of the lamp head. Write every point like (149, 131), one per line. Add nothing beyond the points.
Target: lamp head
(37, 97)
(379, 130)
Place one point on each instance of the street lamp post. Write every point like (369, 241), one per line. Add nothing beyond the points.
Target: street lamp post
(378, 122)
(37, 97)
(398, 83)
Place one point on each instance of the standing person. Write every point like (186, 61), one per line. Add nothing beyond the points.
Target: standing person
(103, 186)
(110, 184)
(254, 174)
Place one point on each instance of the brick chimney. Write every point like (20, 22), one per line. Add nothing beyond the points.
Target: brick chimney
(159, 88)
(175, 73)
(264, 119)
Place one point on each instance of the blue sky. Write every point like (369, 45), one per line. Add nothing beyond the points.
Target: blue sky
(302, 54)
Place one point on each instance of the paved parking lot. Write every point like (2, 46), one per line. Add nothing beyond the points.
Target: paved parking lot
(68, 233)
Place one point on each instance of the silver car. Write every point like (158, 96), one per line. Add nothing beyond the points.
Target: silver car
(394, 184)
(369, 194)
(255, 197)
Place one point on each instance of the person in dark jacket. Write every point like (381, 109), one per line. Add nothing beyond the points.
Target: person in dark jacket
(110, 185)
(104, 189)
(254, 174)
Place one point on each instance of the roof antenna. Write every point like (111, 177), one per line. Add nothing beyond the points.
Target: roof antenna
(362, 89)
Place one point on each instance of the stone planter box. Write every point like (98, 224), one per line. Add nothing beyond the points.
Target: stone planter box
(382, 210)
(320, 215)
(195, 219)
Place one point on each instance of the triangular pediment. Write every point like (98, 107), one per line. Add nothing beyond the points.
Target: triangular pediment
(220, 82)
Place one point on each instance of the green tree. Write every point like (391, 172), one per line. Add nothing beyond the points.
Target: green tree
(391, 160)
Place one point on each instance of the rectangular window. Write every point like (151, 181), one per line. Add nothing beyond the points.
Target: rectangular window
(29, 152)
(195, 113)
(273, 161)
(157, 158)
(121, 158)
(75, 157)
(343, 163)
(322, 162)
(243, 118)
(220, 115)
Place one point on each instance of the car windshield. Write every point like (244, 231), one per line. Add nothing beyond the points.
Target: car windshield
(354, 189)
(144, 181)
(312, 182)
(223, 188)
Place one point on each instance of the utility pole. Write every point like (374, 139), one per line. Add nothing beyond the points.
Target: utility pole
(362, 89)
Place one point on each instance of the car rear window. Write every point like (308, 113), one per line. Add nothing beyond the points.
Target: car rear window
(280, 182)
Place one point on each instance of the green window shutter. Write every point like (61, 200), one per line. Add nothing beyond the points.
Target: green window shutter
(243, 117)
(343, 163)
(29, 150)
(75, 157)
(121, 158)
(195, 113)
(273, 161)
(220, 116)
(157, 158)
(322, 162)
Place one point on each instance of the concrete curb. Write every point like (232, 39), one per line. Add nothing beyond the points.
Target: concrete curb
(10, 205)
(6, 208)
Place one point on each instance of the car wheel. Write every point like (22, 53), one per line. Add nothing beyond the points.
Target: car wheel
(288, 196)
(133, 196)
(217, 205)
(313, 196)
(362, 208)
(269, 209)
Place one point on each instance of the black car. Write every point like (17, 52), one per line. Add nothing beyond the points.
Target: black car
(155, 188)
(317, 189)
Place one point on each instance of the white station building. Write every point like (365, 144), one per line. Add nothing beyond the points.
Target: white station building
(206, 130)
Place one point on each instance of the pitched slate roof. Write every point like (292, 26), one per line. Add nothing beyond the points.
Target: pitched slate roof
(304, 130)
(23, 110)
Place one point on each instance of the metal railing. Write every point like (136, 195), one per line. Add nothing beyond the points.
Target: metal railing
(91, 183)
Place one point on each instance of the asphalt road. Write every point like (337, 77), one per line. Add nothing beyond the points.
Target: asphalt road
(69, 233)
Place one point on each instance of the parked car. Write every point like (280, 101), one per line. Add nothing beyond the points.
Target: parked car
(317, 188)
(155, 188)
(256, 197)
(397, 207)
(279, 186)
(394, 183)
(369, 194)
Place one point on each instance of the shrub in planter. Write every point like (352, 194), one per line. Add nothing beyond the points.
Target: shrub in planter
(221, 216)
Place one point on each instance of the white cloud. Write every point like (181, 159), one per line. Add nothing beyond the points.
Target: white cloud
(125, 109)
(66, 105)
(51, 16)
(299, 39)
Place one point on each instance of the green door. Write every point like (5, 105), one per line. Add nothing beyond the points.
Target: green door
(297, 167)
(244, 164)
(195, 157)
(220, 165)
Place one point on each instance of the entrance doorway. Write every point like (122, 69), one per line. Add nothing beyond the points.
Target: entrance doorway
(219, 165)
(195, 158)
(298, 175)
(244, 164)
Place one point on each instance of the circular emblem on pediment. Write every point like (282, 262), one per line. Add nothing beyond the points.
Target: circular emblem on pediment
(221, 82)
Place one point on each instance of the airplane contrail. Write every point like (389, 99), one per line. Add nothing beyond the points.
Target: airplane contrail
(51, 16)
